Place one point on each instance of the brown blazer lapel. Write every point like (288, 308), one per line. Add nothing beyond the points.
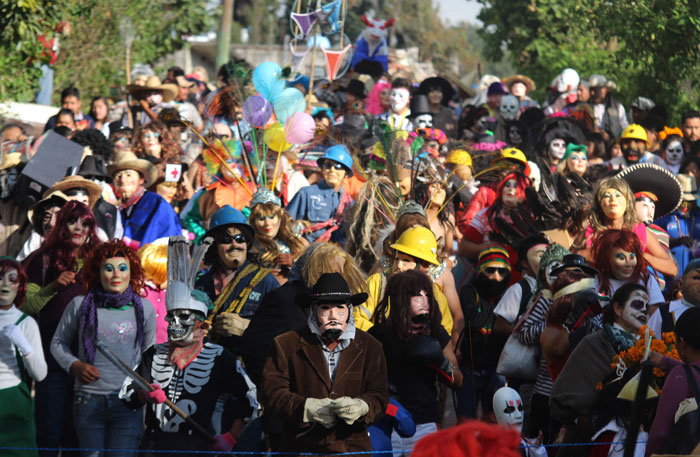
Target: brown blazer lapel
(348, 357)
(314, 354)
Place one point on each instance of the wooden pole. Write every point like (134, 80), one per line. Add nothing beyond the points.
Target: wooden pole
(223, 41)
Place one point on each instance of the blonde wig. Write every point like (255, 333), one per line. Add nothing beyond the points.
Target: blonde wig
(328, 258)
(154, 259)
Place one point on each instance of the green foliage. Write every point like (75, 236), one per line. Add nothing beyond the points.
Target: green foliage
(21, 22)
(648, 47)
(93, 56)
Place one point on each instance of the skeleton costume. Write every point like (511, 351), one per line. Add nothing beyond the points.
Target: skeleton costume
(191, 371)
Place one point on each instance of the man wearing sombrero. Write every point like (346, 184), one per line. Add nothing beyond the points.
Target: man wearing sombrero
(520, 86)
(152, 96)
(327, 380)
(146, 216)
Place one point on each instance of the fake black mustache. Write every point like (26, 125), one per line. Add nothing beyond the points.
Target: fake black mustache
(233, 249)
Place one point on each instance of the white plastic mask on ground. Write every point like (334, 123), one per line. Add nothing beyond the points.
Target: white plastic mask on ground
(557, 148)
(399, 99)
(508, 408)
(674, 153)
(423, 121)
(509, 107)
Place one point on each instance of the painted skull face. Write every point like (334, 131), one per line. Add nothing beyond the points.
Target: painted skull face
(399, 99)
(645, 208)
(423, 121)
(674, 153)
(636, 311)
(557, 148)
(509, 107)
(181, 323)
(508, 408)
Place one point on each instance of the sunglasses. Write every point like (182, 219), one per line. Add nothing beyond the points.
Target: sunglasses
(492, 270)
(328, 164)
(227, 238)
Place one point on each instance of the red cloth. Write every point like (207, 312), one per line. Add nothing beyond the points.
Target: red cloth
(483, 198)
(470, 439)
(602, 450)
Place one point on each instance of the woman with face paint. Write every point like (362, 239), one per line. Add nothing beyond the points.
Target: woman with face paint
(111, 312)
(574, 390)
(672, 151)
(617, 255)
(54, 279)
(21, 358)
(511, 193)
(417, 350)
(613, 208)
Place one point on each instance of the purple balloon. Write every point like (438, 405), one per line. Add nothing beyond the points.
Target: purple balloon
(257, 111)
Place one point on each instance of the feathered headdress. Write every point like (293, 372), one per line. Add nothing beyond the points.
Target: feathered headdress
(182, 272)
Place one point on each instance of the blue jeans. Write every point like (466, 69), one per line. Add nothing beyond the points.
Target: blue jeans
(52, 413)
(104, 422)
(478, 387)
(43, 95)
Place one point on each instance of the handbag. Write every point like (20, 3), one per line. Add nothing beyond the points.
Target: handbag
(685, 433)
(519, 360)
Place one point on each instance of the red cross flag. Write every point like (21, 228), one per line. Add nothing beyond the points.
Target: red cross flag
(173, 172)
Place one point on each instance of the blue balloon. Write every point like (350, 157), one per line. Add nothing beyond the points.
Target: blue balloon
(290, 101)
(267, 79)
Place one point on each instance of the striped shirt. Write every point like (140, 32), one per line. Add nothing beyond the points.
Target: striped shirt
(530, 333)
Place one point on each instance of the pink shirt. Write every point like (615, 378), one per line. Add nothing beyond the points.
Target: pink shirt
(157, 297)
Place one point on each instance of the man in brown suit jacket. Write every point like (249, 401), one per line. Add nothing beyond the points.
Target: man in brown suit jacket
(327, 380)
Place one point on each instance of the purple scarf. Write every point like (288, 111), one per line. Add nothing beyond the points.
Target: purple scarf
(97, 297)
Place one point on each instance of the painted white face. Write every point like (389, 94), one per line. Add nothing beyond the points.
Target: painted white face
(645, 208)
(508, 408)
(548, 272)
(636, 311)
(510, 193)
(509, 107)
(399, 99)
(557, 148)
(518, 89)
(9, 285)
(423, 121)
(674, 153)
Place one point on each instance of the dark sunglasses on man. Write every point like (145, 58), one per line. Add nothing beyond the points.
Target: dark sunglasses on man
(328, 164)
(493, 270)
(227, 238)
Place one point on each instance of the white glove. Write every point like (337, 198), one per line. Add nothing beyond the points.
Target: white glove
(15, 334)
(349, 409)
(319, 410)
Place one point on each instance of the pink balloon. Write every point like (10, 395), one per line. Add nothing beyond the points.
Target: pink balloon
(299, 128)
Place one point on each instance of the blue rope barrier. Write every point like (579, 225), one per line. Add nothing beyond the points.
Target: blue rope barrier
(265, 453)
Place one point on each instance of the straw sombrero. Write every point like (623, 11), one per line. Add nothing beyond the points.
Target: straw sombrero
(127, 160)
(510, 80)
(169, 91)
(656, 180)
(77, 182)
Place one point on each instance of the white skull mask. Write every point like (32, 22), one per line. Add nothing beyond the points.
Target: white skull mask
(181, 326)
(509, 107)
(674, 153)
(423, 121)
(557, 148)
(399, 99)
(508, 408)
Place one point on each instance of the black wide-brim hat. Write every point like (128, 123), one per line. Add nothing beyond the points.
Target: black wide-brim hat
(575, 261)
(330, 288)
(646, 177)
(447, 90)
(356, 88)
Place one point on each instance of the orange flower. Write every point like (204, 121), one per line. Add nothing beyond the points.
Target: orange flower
(659, 373)
(599, 386)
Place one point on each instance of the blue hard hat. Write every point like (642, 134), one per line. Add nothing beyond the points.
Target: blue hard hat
(340, 154)
(228, 215)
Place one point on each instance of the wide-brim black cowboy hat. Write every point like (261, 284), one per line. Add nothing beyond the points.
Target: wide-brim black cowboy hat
(574, 261)
(330, 288)
(436, 81)
(647, 177)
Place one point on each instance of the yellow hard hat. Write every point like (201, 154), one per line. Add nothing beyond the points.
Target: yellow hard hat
(512, 154)
(418, 242)
(635, 132)
(459, 157)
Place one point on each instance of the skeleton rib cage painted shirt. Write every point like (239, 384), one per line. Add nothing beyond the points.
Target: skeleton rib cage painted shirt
(194, 389)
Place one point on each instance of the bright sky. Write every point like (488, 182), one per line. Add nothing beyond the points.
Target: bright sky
(455, 11)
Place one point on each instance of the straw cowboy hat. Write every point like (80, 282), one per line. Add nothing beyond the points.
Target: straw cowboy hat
(169, 91)
(127, 160)
(36, 211)
(510, 80)
(77, 182)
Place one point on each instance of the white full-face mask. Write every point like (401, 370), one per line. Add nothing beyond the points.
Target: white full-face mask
(155, 99)
(557, 148)
(674, 153)
(508, 408)
(399, 99)
(423, 121)
(509, 107)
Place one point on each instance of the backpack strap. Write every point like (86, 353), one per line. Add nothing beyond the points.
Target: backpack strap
(525, 296)
(668, 320)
